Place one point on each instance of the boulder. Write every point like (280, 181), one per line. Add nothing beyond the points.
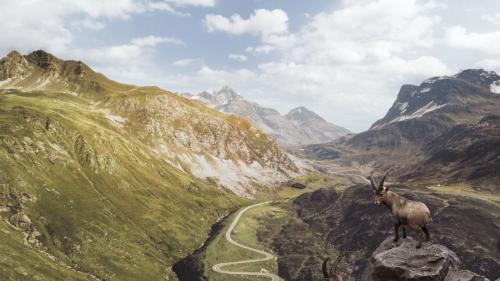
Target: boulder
(404, 262)
(298, 185)
(464, 275)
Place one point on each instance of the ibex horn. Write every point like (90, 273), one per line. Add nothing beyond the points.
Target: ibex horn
(381, 184)
(372, 182)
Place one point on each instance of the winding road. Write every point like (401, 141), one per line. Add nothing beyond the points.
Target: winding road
(267, 256)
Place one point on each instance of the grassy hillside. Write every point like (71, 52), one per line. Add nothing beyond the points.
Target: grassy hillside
(192, 137)
(91, 196)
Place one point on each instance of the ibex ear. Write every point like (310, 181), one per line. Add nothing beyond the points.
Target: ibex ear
(381, 184)
(372, 182)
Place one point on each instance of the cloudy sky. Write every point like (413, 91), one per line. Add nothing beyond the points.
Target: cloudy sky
(345, 59)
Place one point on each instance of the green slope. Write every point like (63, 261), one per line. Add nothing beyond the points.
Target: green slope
(101, 200)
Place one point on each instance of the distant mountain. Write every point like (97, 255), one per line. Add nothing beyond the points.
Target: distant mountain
(299, 126)
(421, 119)
(94, 172)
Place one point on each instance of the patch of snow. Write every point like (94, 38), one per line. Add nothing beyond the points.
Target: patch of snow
(430, 107)
(403, 107)
(434, 79)
(495, 87)
(425, 90)
(487, 74)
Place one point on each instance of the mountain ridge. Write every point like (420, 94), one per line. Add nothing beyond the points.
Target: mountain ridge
(106, 181)
(422, 115)
(290, 129)
(174, 134)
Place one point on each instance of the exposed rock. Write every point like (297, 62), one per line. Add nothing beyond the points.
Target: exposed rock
(191, 138)
(356, 227)
(299, 126)
(445, 129)
(402, 262)
(464, 275)
(20, 220)
(33, 236)
(298, 185)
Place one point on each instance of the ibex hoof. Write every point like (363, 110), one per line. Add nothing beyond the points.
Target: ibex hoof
(418, 246)
(395, 240)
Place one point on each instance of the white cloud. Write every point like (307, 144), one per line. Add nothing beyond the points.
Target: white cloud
(130, 62)
(184, 62)
(38, 24)
(88, 23)
(205, 3)
(486, 42)
(261, 22)
(348, 64)
(152, 41)
(488, 64)
(270, 25)
(491, 18)
(238, 57)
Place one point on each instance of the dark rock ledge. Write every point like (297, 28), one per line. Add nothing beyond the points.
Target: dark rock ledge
(403, 262)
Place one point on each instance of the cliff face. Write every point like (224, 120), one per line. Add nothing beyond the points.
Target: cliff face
(403, 262)
(443, 131)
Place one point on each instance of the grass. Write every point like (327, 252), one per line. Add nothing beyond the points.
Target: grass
(467, 190)
(313, 181)
(103, 201)
(246, 232)
(259, 227)
(21, 262)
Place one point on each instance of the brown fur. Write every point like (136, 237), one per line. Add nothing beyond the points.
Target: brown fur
(332, 274)
(406, 213)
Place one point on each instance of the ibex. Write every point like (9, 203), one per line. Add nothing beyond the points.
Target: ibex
(412, 214)
(331, 275)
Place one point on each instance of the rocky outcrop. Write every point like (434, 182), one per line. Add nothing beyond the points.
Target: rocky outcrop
(350, 221)
(403, 262)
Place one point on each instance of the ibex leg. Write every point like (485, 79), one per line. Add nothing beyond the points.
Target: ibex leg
(426, 231)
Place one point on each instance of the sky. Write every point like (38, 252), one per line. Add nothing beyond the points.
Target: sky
(344, 59)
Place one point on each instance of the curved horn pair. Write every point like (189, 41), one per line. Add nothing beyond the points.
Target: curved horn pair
(381, 183)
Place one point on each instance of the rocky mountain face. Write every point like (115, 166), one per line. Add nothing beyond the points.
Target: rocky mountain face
(402, 262)
(464, 226)
(106, 181)
(299, 126)
(465, 153)
(418, 129)
(190, 137)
